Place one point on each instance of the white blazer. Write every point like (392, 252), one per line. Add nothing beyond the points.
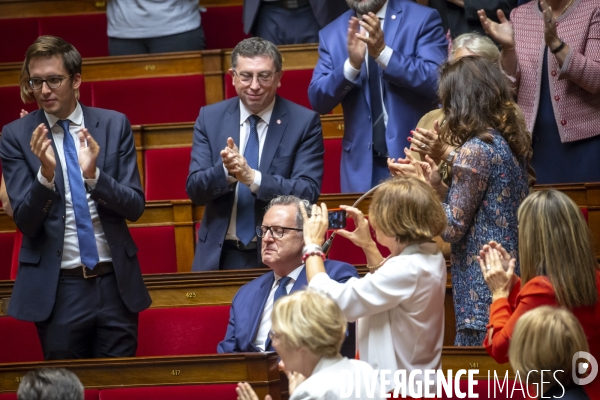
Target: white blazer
(399, 309)
(330, 380)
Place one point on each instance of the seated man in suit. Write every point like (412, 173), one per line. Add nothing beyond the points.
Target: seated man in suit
(380, 61)
(282, 250)
(72, 179)
(246, 151)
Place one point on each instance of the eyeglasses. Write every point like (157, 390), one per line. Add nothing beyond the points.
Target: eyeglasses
(276, 231)
(53, 82)
(264, 78)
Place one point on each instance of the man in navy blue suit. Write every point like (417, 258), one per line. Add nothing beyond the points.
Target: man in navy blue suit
(246, 151)
(282, 251)
(72, 179)
(380, 61)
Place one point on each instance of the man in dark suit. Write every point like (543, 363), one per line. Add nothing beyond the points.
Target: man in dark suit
(282, 251)
(383, 70)
(280, 152)
(290, 21)
(72, 179)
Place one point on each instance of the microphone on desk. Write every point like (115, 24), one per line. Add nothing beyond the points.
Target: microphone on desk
(327, 245)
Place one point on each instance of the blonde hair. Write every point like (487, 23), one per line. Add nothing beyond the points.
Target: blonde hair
(49, 46)
(546, 338)
(555, 242)
(407, 209)
(310, 319)
(477, 44)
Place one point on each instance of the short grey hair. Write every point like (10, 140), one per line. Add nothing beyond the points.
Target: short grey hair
(478, 44)
(256, 47)
(290, 200)
(50, 384)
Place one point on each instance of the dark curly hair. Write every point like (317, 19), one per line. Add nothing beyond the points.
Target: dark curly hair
(476, 97)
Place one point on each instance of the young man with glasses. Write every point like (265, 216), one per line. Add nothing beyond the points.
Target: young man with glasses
(246, 151)
(72, 178)
(282, 250)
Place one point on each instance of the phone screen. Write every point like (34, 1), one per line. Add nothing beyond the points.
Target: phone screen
(337, 219)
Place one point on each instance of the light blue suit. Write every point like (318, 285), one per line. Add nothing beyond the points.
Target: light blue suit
(409, 84)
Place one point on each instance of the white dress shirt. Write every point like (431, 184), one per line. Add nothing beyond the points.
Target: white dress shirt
(261, 127)
(265, 321)
(71, 257)
(383, 60)
(400, 307)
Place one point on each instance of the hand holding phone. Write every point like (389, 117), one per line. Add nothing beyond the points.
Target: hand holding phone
(337, 218)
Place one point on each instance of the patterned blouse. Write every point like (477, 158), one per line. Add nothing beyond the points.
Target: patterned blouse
(488, 185)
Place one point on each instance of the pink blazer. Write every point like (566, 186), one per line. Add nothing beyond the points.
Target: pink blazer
(575, 88)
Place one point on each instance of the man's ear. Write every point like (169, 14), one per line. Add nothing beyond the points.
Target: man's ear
(232, 74)
(76, 81)
(280, 76)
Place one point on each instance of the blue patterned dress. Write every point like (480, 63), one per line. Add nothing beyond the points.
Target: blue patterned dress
(488, 185)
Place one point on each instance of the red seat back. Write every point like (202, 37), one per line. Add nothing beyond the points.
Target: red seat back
(86, 32)
(294, 86)
(11, 104)
(153, 100)
(20, 342)
(156, 249)
(223, 26)
(17, 35)
(7, 241)
(182, 330)
(166, 172)
(331, 168)
(187, 392)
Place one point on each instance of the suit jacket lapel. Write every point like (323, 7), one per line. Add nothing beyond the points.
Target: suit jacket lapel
(277, 126)
(59, 179)
(393, 17)
(231, 126)
(258, 305)
(92, 124)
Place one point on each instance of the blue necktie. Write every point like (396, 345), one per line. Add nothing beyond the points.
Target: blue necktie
(245, 227)
(279, 293)
(83, 220)
(379, 144)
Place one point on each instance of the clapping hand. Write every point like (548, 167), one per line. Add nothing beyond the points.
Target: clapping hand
(492, 261)
(426, 142)
(502, 32)
(236, 164)
(245, 392)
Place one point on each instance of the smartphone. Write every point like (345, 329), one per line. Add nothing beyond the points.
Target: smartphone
(337, 219)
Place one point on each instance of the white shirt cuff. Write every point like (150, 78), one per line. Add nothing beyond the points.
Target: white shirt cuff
(91, 183)
(44, 181)
(384, 58)
(257, 181)
(350, 72)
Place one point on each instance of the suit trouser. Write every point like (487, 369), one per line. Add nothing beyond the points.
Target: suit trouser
(286, 26)
(88, 320)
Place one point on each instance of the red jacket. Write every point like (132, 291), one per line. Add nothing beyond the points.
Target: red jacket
(504, 314)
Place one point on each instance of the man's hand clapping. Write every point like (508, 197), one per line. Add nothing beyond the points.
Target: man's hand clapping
(236, 164)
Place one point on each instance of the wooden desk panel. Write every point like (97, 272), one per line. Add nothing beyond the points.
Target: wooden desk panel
(259, 369)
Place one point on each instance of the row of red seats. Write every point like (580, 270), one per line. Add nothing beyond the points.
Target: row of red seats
(223, 29)
(162, 332)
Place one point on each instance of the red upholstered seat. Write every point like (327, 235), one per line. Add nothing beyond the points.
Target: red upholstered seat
(584, 211)
(294, 86)
(14, 265)
(188, 392)
(87, 32)
(343, 249)
(331, 170)
(17, 35)
(153, 100)
(166, 172)
(223, 27)
(11, 104)
(156, 249)
(7, 240)
(182, 330)
(20, 342)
